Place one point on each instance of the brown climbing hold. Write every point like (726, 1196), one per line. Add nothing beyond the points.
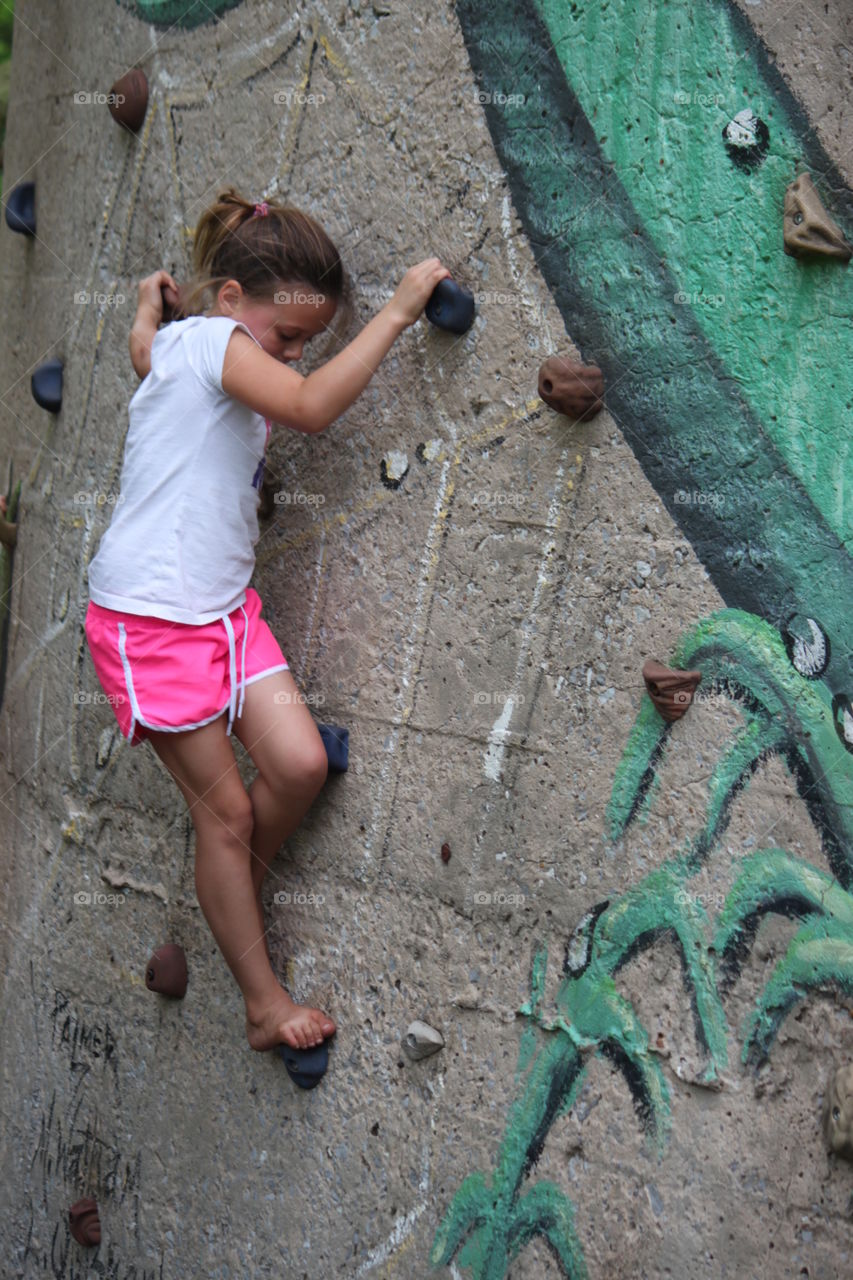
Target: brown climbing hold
(128, 99)
(171, 302)
(166, 971)
(808, 228)
(571, 388)
(671, 691)
(8, 528)
(445, 852)
(84, 1221)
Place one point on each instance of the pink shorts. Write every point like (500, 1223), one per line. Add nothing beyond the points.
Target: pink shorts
(173, 676)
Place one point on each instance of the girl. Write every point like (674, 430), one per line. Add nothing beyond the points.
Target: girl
(170, 602)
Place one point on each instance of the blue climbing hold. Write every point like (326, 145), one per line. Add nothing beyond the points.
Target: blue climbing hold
(450, 306)
(306, 1067)
(336, 742)
(47, 385)
(21, 208)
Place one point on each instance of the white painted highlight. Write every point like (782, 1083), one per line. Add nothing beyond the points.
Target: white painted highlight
(493, 758)
(401, 1229)
(409, 652)
(495, 751)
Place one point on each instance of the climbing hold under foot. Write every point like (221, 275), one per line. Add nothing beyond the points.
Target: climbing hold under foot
(450, 307)
(47, 385)
(21, 209)
(306, 1067)
(808, 228)
(166, 971)
(838, 1113)
(128, 99)
(336, 742)
(84, 1221)
(571, 388)
(422, 1041)
(671, 690)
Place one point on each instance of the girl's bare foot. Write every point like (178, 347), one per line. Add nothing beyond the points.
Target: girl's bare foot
(286, 1022)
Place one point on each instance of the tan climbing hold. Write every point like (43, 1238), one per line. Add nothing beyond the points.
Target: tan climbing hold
(838, 1113)
(571, 388)
(669, 689)
(808, 228)
(422, 1040)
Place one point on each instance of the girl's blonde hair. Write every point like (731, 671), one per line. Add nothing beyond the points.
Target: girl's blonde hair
(284, 246)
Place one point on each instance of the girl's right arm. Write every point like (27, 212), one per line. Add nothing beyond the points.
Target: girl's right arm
(311, 403)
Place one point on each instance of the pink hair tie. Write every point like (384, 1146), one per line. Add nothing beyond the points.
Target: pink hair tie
(261, 210)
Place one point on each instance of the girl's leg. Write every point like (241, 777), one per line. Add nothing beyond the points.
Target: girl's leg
(279, 733)
(202, 763)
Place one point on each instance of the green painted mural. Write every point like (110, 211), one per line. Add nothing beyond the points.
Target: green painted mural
(179, 13)
(659, 232)
(787, 715)
(666, 261)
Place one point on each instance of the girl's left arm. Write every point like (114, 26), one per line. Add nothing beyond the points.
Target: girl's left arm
(149, 316)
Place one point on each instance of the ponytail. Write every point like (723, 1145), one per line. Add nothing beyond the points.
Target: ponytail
(284, 246)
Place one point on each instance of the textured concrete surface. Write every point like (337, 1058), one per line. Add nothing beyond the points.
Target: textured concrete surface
(480, 628)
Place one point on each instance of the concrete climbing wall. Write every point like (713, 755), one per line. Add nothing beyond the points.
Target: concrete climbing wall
(640, 953)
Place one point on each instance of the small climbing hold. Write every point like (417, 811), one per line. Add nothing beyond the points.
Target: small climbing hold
(842, 714)
(450, 307)
(84, 1222)
(8, 528)
(306, 1067)
(747, 139)
(166, 971)
(21, 209)
(422, 1041)
(807, 645)
(838, 1113)
(445, 852)
(171, 302)
(571, 388)
(671, 690)
(46, 384)
(336, 742)
(807, 227)
(128, 99)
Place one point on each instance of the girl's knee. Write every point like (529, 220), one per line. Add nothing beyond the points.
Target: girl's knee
(303, 774)
(319, 765)
(230, 815)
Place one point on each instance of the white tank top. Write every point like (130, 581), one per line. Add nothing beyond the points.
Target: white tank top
(180, 544)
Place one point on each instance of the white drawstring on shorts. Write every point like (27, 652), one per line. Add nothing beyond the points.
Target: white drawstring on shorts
(232, 669)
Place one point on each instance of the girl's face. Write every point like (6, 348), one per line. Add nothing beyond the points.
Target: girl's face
(295, 314)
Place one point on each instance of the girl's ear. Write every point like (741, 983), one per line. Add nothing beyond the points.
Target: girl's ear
(230, 296)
